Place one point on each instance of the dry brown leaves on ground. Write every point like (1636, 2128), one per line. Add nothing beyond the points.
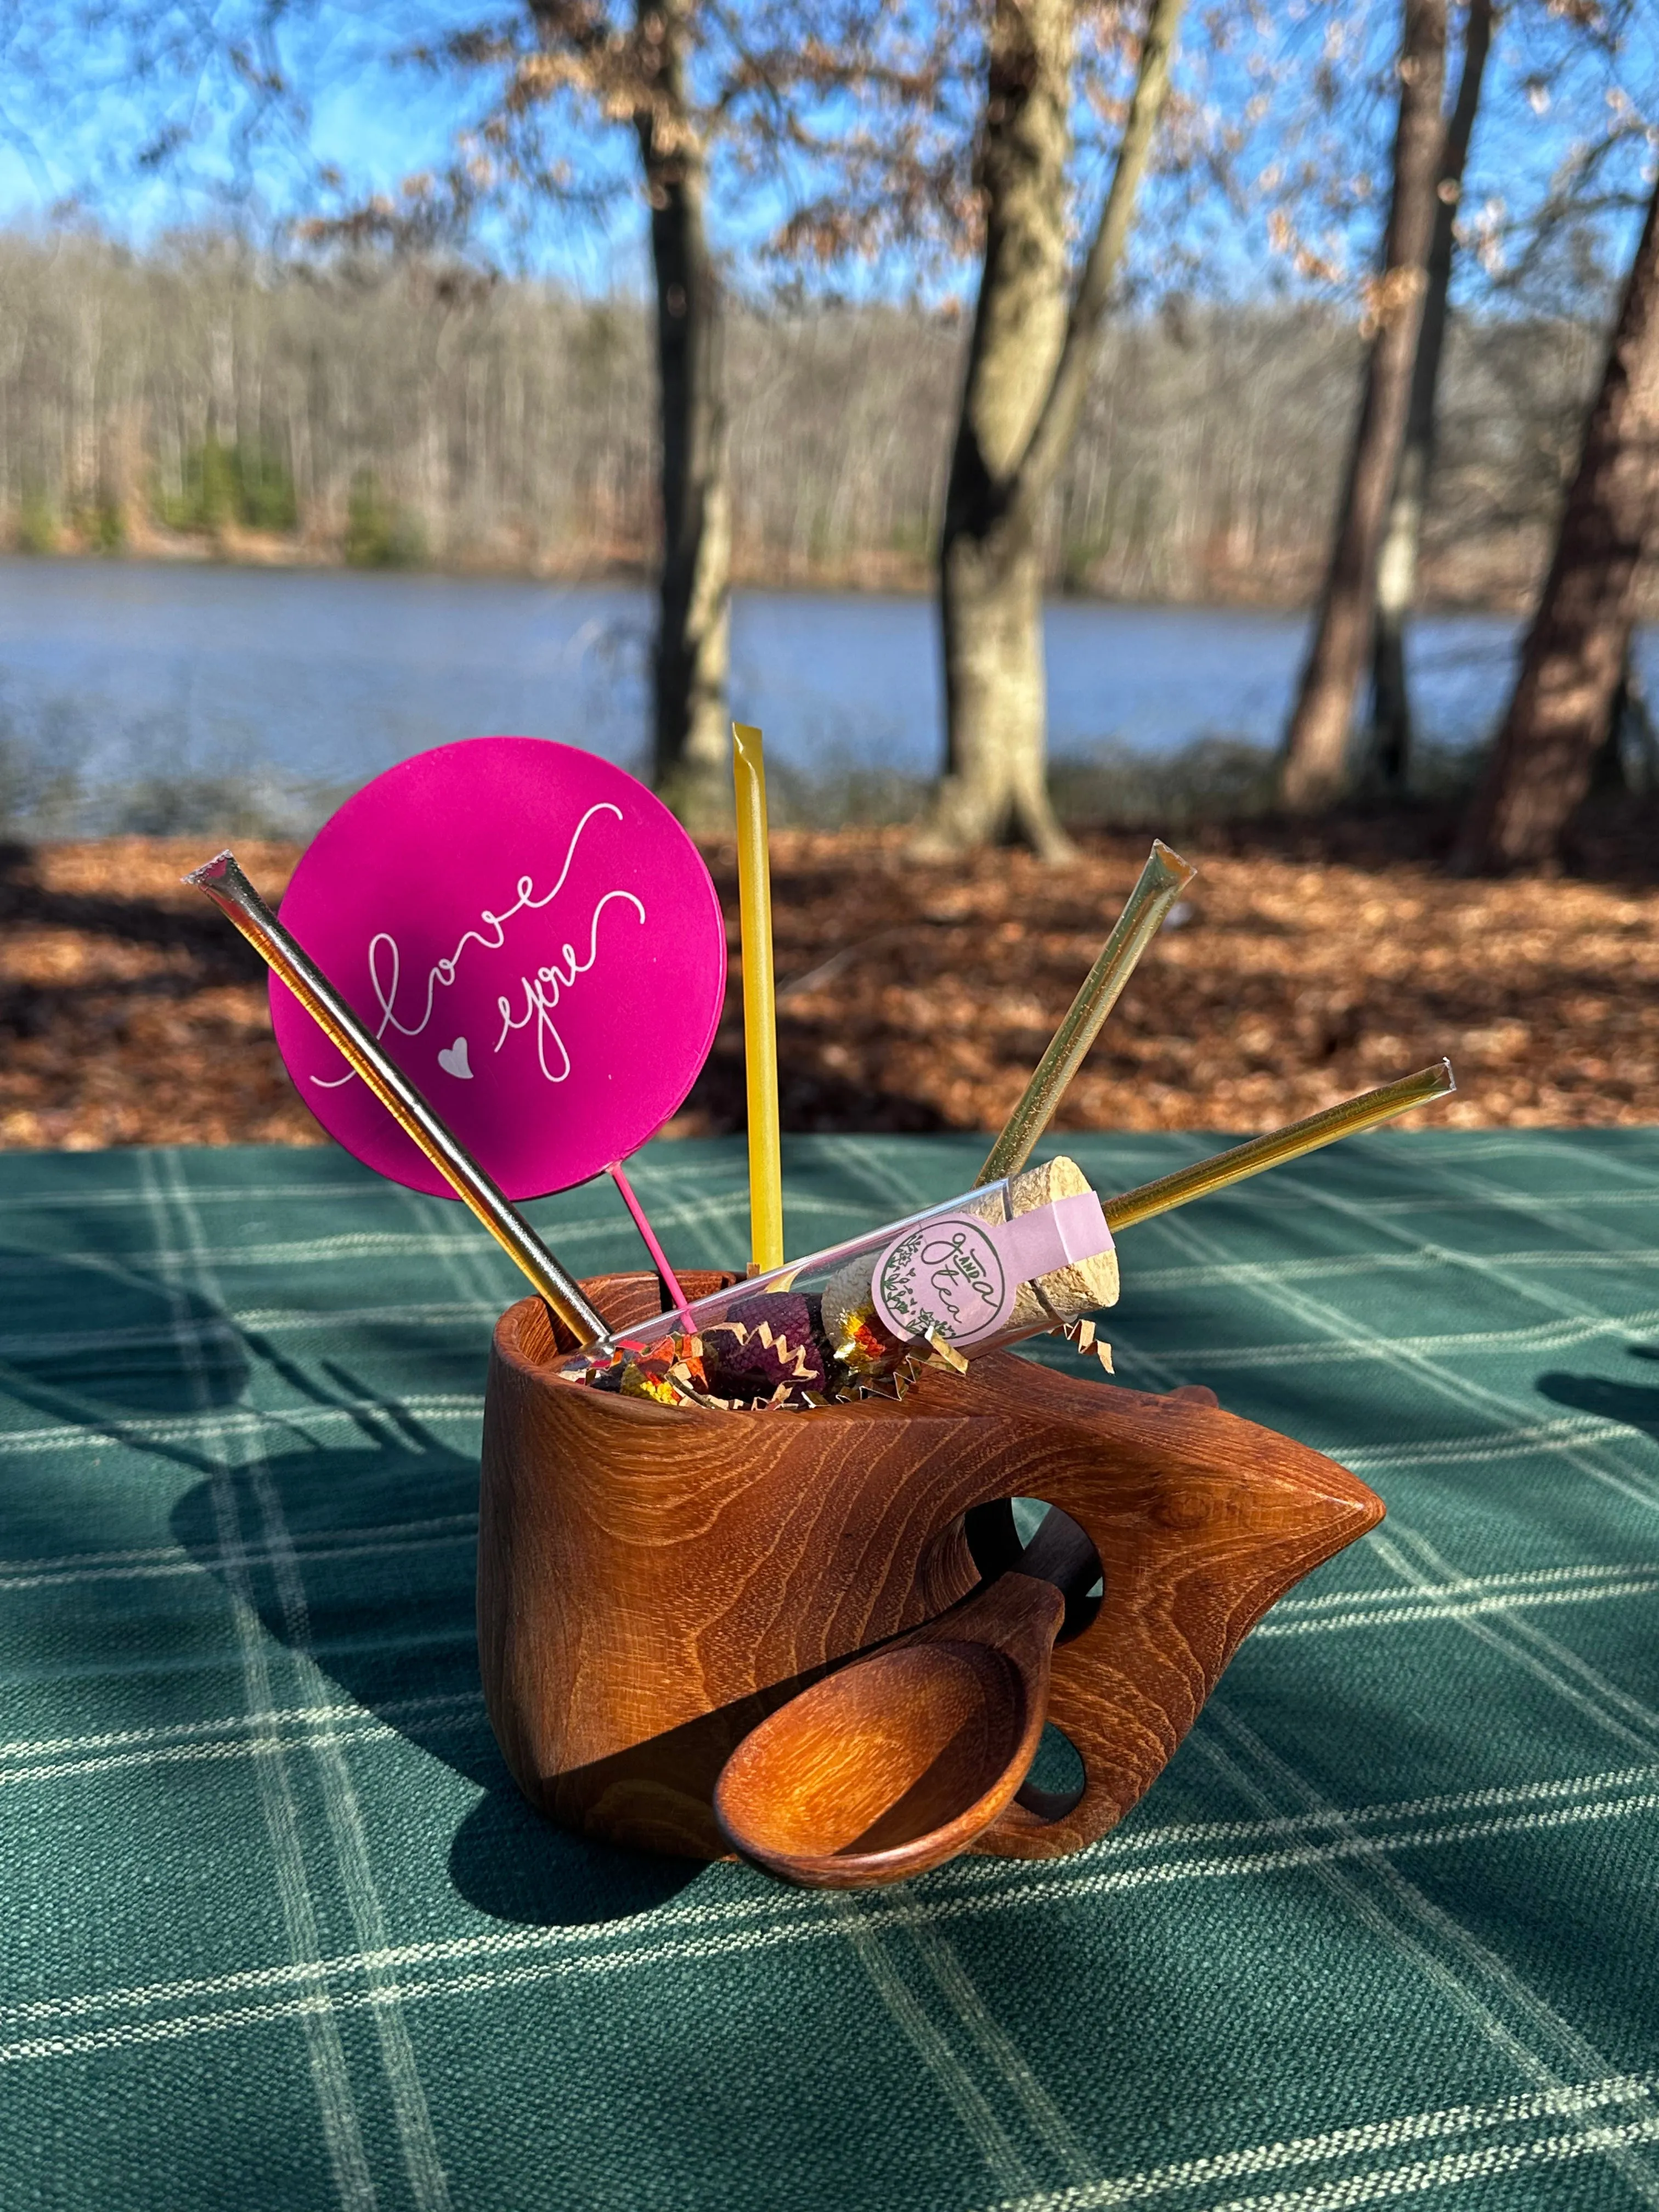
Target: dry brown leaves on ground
(918, 997)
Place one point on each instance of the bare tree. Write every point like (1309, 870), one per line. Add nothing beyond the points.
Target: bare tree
(1029, 365)
(1314, 766)
(780, 87)
(547, 85)
(1396, 568)
(1561, 710)
(691, 738)
(675, 75)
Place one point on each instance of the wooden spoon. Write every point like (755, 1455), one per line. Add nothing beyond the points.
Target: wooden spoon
(897, 1762)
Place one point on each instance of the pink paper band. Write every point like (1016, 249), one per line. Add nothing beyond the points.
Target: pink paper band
(1051, 1236)
(959, 1276)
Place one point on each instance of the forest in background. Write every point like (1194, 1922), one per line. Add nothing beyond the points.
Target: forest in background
(206, 398)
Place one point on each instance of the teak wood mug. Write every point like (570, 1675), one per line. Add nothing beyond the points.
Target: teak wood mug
(654, 1581)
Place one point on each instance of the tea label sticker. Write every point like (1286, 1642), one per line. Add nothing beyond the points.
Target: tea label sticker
(946, 1275)
(958, 1275)
(534, 939)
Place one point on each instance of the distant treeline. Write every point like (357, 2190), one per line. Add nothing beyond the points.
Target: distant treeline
(398, 413)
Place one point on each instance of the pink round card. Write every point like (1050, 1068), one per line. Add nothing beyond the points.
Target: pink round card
(532, 938)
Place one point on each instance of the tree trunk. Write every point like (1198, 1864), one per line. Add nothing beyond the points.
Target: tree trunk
(995, 783)
(1028, 368)
(1314, 768)
(692, 753)
(990, 586)
(1396, 568)
(1609, 774)
(1562, 703)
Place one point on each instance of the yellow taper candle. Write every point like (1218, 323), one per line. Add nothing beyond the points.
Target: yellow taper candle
(760, 1020)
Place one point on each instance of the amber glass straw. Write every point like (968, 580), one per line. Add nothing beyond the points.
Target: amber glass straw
(231, 891)
(1163, 880)
(1278, 1146)
(760, 1018)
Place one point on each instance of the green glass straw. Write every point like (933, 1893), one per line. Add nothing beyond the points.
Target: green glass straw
(1278, 1146)
(1163, 880)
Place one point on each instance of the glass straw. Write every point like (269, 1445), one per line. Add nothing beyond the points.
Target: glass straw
(760, 1021)
(235, 897)
(1323, 1129)
(1163, 880)
(1278, 1146)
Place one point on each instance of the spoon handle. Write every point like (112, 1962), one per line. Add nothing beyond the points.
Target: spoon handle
(1019, 1613)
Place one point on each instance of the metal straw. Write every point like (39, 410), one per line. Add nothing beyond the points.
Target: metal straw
(1163, 880)
(1279, 1145)
(231, 891)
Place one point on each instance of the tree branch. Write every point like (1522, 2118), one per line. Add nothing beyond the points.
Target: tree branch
(1056, 425)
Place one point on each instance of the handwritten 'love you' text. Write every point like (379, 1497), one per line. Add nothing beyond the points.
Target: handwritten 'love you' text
(542, 991)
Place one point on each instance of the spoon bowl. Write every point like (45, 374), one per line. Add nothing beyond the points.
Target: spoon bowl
(895, 1763)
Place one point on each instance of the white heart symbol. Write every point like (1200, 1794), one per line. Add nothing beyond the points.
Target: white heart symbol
(453, 1061)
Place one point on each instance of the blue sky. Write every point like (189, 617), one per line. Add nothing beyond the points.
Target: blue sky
(377, 122)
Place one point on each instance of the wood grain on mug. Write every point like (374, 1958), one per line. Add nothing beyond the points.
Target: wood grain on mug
(654, 1581)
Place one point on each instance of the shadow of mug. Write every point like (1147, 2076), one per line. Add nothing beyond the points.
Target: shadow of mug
(379, 1538)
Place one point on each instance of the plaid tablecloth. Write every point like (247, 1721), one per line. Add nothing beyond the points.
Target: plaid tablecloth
(277, 1932)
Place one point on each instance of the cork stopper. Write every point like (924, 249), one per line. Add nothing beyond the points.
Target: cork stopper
(1080, 1286)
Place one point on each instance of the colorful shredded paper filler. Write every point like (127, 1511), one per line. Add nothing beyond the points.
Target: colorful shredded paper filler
(770, 1352)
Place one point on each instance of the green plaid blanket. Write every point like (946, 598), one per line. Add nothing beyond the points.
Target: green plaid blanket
(279, 1933)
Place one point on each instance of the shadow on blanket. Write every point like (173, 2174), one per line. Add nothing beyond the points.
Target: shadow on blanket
(349, 1528)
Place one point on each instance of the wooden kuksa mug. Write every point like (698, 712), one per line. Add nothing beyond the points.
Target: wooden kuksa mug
(653, 1580)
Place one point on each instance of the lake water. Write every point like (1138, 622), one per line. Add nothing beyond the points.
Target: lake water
(119, 678)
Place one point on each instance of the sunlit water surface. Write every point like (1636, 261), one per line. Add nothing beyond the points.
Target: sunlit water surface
(120, 678)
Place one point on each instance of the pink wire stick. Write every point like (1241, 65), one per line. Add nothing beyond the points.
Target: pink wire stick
(660, 1258)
